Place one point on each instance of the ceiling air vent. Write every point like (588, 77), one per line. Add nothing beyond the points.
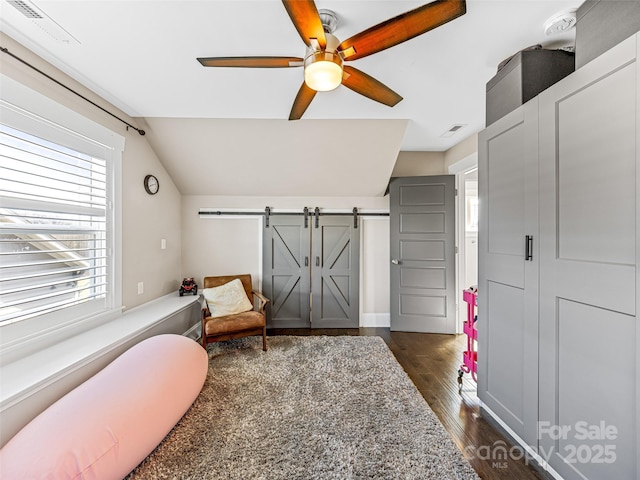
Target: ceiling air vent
(25, 9)
(42, 21)
(453, 130)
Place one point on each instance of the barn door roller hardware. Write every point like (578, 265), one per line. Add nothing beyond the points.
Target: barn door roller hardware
(268, 212)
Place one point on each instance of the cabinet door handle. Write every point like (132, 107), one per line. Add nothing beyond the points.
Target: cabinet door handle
(528, 248)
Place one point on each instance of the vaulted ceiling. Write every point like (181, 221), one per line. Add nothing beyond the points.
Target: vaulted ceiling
(141, 56)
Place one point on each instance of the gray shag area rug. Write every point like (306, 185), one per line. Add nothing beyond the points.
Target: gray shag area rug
(308, 408)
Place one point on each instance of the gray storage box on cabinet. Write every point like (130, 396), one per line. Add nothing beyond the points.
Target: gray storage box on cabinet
(528, 73)
(602, 24)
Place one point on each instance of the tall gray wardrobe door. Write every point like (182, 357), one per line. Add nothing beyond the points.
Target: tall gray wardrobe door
(508, 270)
(335, 273)
(589, 207)
(422, 248)
(286, 265)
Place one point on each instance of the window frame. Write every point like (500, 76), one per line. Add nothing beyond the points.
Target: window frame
(29, 111)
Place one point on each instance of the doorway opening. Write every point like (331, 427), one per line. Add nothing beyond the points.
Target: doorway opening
(467, 208)
(471, 229)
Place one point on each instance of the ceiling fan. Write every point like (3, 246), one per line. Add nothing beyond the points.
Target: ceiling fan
(324, 67)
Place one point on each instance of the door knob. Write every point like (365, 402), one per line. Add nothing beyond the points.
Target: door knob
(395, 261)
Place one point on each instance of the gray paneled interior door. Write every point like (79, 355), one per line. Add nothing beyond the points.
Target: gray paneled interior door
(311, 273)
(422, 248)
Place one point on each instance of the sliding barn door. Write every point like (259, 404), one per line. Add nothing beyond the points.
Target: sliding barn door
(286, 272)
(311, 272)
(335, 273)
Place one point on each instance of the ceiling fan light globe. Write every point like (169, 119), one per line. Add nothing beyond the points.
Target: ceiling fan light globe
(323, 71)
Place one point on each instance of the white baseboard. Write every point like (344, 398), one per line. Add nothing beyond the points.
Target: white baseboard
(382, 320)
(544, 465)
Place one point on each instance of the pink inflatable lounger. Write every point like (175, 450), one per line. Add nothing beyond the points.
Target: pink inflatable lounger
(107, 425)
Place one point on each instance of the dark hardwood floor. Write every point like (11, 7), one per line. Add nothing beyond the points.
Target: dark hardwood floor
(432, 363)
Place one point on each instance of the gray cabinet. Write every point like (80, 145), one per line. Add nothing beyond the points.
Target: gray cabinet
(558, 333)
(508, 281)
(589, 208)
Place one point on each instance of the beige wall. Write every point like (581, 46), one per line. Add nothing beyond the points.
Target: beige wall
(376, 261)
(145, 219)
(466, 147)
(415, 164)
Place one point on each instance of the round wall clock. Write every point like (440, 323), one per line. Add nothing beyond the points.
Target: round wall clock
(151, 184)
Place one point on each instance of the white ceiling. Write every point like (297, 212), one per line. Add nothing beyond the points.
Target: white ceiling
(141, 56)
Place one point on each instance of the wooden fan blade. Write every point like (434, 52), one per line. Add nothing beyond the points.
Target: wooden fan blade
(302, 101)
(368, 86)
(252, 62)
(306, 19)
(402, 28)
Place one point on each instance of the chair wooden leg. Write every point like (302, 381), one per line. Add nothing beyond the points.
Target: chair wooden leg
(264, 339)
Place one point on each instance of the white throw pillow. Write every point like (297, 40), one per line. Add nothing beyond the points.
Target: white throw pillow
(227, 299)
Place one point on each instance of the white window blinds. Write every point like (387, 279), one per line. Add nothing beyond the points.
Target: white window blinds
(54, 227)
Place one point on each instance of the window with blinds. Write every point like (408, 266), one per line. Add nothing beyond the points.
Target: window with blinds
(54, 227)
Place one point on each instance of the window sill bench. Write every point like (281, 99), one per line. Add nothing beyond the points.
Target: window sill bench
(30, 384)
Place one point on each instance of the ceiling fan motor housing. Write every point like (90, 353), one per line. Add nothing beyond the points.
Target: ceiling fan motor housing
(329, 20)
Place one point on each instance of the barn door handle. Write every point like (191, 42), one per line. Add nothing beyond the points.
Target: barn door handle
(528, 248)
(395, 261)
(306, 261)
(317, 261)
